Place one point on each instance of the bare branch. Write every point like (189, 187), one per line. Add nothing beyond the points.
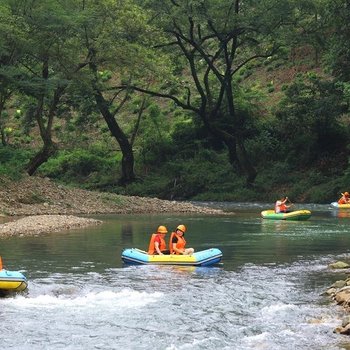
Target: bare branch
(138, 121)
(121, 104)
(186, 106)
(253, 58)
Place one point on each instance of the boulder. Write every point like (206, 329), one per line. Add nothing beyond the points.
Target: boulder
(342, 296)
(339, 284)
(339, 265)
(343, 330)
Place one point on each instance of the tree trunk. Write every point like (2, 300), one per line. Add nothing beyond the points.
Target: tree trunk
(239, 158)
(243, 157)
(246, 163)
(231, 146)
(128, 174)
(49, 148)
(41, 157)
(238, 155)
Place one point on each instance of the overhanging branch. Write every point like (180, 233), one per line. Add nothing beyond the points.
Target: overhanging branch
(183, 105)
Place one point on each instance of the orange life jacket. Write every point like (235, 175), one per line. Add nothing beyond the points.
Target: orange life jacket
(181, 243)
(280, 207)
(1, 263)
(343, 200)
(151, 247)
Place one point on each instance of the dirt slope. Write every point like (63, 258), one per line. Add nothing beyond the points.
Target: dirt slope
(38, 196)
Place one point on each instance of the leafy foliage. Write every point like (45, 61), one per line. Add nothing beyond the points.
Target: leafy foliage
(337, 56)
(309, 119)
(12, 161)
(79, 166)
(74, 77)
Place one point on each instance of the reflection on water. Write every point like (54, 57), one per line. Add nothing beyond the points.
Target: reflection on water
(267, 294)
(341, 213)
(277, 226)
(127, 233)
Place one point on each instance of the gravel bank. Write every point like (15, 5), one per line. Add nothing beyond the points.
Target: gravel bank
(33, 225)
(50, 207)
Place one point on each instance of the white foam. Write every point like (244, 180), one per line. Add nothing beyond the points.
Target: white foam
(195, 343)
(124, 299)
(258, 337)
(258, 341)
(276, 308)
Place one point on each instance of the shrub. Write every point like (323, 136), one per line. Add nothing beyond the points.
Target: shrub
(13, 161)
(77, 166)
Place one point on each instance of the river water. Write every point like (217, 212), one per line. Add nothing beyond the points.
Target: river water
(266, 294)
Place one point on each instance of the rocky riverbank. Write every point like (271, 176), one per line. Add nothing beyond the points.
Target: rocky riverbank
(339, 291)
(49, 207)
(38, 196)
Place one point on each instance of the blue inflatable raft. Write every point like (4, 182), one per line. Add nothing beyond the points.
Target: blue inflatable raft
(206, 257)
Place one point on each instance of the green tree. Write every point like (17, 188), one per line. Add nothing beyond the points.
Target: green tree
(116, 37)
(309, 121)
(311, 31)
(215, 40)
(12, 35)
(49, 61)
(338, 43)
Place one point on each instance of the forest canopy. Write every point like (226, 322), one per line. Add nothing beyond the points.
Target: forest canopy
(179, 99)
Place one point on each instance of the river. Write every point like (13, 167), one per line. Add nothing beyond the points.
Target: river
(267, 294)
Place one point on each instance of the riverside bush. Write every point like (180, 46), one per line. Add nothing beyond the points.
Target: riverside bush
(13, 161)
(77, 166)
(153, 185)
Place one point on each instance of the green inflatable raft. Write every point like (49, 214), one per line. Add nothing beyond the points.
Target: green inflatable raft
(297, 215)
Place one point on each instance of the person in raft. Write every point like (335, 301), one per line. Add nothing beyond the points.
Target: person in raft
(281, 206)
(157, 245)
(344, 198)
(178, 242)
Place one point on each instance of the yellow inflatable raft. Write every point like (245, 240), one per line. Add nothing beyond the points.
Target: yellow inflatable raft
(293, 215)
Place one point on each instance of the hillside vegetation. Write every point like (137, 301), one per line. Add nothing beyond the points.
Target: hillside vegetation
(203, 100)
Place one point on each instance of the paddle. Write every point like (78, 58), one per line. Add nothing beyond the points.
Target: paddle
(1, 263)
(291, 204)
